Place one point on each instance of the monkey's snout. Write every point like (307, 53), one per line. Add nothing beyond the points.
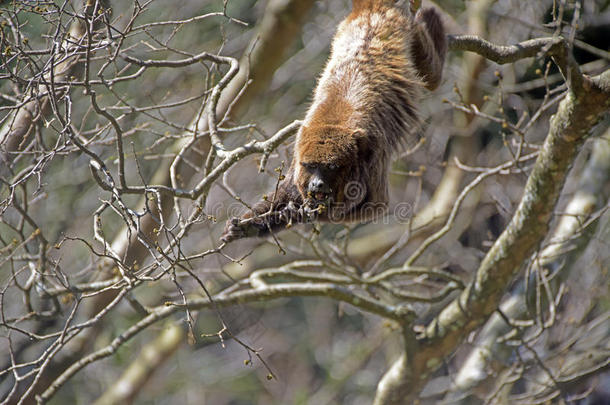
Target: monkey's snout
(319, 189)
(318, 186)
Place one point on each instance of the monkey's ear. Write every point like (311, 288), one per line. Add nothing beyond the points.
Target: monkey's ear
(364, 144)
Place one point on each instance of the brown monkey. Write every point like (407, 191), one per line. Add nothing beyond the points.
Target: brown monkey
(364, 108)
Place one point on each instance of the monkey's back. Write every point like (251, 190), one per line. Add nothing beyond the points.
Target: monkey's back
(370, 81)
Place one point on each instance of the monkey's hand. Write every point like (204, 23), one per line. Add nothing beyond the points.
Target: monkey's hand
(237, 228)
(266, 216)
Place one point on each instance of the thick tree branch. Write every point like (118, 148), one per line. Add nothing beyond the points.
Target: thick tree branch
(400, 313)
(556, 47)
(565, 245)
(576, 116)
(503, 54)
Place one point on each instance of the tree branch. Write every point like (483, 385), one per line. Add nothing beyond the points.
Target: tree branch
(399, 313)
(556, 47)
(565, 246)
(576, 116)
(16, 131)
(503, 54)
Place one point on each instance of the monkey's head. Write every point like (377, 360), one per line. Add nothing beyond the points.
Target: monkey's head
(329, 160)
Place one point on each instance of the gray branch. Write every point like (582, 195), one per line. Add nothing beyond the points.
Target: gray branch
(578, 113)
(565, 246)
(400, 313)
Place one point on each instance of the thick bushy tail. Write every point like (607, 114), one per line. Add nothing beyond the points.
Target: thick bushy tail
(429, 46)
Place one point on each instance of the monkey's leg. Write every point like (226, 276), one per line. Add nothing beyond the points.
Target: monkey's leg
(429, 46)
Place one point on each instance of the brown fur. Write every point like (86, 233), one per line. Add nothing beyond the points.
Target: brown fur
(364, 108)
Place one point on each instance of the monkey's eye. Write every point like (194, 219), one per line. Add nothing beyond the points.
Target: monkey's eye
(333, 166)
(308, 166)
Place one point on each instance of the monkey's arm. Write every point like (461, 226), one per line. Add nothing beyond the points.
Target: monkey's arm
(268, 215)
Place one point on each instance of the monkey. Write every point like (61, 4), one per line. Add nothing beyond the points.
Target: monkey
(364, 109)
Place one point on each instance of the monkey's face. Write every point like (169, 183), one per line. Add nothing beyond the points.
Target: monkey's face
(329, 161)
(319, 182)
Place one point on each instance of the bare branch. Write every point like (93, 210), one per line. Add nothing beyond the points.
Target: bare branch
(569, 128)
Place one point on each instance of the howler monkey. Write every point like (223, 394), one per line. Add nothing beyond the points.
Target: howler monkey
(364, 108)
